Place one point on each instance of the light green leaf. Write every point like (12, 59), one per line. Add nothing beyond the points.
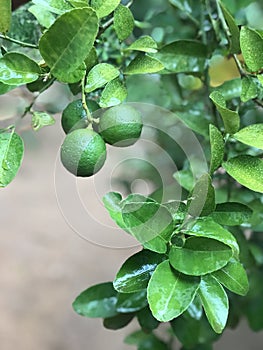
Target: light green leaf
(251, 135)
(113, 94)
(72, 77)
(143, 64)
(112, 202)
(135, 273)
(123, 22)
(56, 6)
(144, 44)
(18, 69)
(217, 148)
(177, 209)
(230, 89)
(100, 75)
(215, 302)
(200, 256)
(233, 276)
(97, 301)
(79, 28)
(131, 302)
(185, 178)
(249, 89)
(41, 119)
(170, 293)
(251, 44)
(247, 170)
(104, 7)
(6, 14)
(230, 118)
(233, 29)
(43, 16)
(231, 214)
(79, 3)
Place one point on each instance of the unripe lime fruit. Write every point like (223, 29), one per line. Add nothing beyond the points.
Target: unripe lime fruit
(121, 125)
(74, 116)
(83, 152)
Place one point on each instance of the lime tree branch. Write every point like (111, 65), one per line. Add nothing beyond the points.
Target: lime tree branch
(18, 42)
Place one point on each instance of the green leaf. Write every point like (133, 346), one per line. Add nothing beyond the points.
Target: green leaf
(43, 16)
(208, 228)
(215, 302)
(251, 44)
(79, 3)
(143, 64)
(230, 89)
(123, 22)
(6, 14)
(144, 44)
(79, 28)
(100, 75)
(104, 7)
(11, 155)
(183, 56)
(135, 273)
(249, 89)
(247, 170)
(113, 94)
(118, 321)
(72, 77)
(233, 29)
(56, 6)
(177, 209)
(170, 293)
(91, 60)
(200, 256)
(18, 69)
(233, 276)
(230, 118)
(146, 320)
(145, 341)
(97, 301)
(181, 5)
(251, 135)
(112, 202)
(202, 198)
(217, 148)
(4, 88)
(231, 214)
(131, 302)
(41, 119)
(185, 178)
(195, 309)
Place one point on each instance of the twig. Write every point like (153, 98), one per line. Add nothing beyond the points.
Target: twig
(18, 42)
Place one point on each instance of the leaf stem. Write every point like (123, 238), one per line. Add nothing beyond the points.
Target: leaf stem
(84, 103)
(18, 42)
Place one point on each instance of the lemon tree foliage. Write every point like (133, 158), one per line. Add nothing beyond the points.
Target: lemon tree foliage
(201, 245)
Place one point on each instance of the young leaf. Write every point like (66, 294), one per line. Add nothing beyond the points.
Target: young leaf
(113, 94)
(200, 256)
(79, 28)
(231, 214)
(251, 44)
(11, 155)
(41, 119)
(18, 69)
(247, 170)
(215, 302)
(233, 29)
(249, 89)
(43, 16)
(143, 64)
(118, 321)
(100, 75)
(104, 7)
(56, 6)
(230, 118)
(144, 44)
(6, 14)
(131, 302)
(233, 276)
(135, 273)
(123, 22)
(251, 135)
(217, 148)
(112, 202)
(170, 293)
(97, 301)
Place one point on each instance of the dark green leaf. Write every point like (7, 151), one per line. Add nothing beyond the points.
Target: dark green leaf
(118, 321)
(104, 7)
(145, 341)
(4, 88)
(249, 89)
(144, 44)
(231, 214)
(5, 18)
(97, 301)
(251, 135)
(251, 44)
(146, 320)
(217, 148)
(113, 94)
(91, 60)
(131, 302)
(11, 155)
(100, 75)
(143, 64)
(233, 29)
(41, 119)
(170, 293)
(123, 22)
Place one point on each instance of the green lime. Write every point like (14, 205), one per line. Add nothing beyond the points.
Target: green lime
(74, 115)
(121, 125)
(83, 152)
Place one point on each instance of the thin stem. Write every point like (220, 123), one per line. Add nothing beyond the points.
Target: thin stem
(18, 42)
(84, 103)
(239, 67)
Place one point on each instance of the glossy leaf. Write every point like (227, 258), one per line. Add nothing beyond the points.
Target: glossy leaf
(230, 89)
(249, 89)
(112, 202)
(113, 94)
(200, 256)
(230, 118)
(79, 28)
(144, 44)
(56, 6)
(41, 119)
(251, 44)
(251, 135)
(104, 7)
(123, 22)
(100, 75)
(183, 56)
(247, 170)
(131, 302)
(18, 69)
(6, 14)
(43, 16)
(118, 321)
(135, 273)
(97, 301)
(195, 309)
(215, 302)
(233, 29)
(11, 155)
(146, 320)
(231, 214)
(169, 292)
(143, 64)
(233, 276)
(217, 148)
